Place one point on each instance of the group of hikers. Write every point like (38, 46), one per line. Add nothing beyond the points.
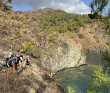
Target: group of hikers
(18, 62)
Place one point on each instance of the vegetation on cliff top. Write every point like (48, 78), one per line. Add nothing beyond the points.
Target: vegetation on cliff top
(63, 22)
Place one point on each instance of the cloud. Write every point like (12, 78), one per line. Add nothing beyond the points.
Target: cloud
(70, 6)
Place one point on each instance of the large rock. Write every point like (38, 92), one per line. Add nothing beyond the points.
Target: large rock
(38, 81)
(63, 54)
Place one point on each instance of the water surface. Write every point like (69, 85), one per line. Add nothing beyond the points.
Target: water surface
(79, 78)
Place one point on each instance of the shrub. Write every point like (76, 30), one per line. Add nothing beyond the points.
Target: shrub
(13, 17)
(52, 39)
(3, 26)
(61, 28)
(100, 82)
(24, 31)
(70, 90)
(92, 32)
(28, 48)
(70, 25)
(95, 36)
(5, 17)
(81, 35)
(71, 36)
(25, 22)
(97, 39)
(50, 30)
(108, 43)
(76, 28)
(6, 7)
(62, 22)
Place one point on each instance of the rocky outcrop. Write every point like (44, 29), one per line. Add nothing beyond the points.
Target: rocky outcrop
(38, 81)
(32, 79)
(63, 54)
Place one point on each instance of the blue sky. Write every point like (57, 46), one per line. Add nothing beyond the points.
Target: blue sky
(70, 6)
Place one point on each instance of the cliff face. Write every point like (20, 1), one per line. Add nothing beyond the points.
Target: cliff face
(63, 54)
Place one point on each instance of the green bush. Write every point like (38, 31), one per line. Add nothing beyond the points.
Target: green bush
(97, 39)
(13, 17)
(52, 39)
(6, 7)
(50, 30)
(5, 17)
(76, 28)
(95, 36)
(81, 35)
(70, 90)
(28, 48)
(24, 31)
(61, 22)
(92, 32)
(108, 43)
(71, 36)
(100, 82)
(3, 26)
(70, 25)
(61, 28)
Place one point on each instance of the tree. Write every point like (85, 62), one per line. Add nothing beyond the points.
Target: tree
(108, 12)
(4, 4)
(106, 57)
(100, 82)
(97, 6)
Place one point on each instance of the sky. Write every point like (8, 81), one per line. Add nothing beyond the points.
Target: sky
(70, 6)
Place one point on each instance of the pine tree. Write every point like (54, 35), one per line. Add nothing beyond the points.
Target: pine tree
(97, 6)
(100, 82)
(4, 4)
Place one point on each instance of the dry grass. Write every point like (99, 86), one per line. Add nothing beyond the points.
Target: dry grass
(1, 54)
(10, 83)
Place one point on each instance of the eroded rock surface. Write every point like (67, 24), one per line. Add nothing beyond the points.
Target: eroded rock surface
(63, 54)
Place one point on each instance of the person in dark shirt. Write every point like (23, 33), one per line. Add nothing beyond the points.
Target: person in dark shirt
(9, 61)
(16, 61)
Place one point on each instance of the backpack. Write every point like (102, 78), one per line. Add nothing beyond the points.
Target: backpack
(27, 61)
(15, 60)
(7, 62)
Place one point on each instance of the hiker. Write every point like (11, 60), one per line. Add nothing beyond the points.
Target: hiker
(16, 61)
(40, 43)
(21, 56)
(44, 43)
(9, 61)
(11, 47)
(21, 62)
(28, 60)
(35, 43)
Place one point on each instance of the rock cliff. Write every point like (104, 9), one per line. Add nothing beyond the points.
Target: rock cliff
(63, 54)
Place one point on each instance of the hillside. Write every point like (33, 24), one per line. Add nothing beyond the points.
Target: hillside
(54, 39)
(41, 25)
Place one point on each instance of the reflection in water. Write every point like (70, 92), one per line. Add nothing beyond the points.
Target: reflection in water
(79, 78)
